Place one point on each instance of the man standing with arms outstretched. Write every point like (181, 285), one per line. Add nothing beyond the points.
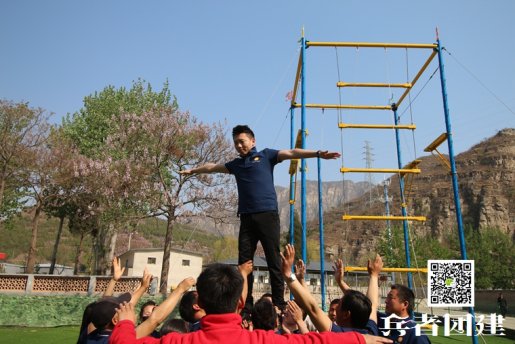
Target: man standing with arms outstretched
(257, 201)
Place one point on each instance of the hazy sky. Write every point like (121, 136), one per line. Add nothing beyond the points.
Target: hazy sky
(235, 61)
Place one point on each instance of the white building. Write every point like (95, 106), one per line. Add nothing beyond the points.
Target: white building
(182, 264)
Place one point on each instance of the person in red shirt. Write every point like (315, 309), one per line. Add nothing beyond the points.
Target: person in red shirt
(222, 295)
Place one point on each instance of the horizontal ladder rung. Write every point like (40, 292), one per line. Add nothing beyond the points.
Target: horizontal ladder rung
(376, 126)
(371, 84)
(372, 45)
(378, 218)
(359, 268)
(344, 106)
(379, 170)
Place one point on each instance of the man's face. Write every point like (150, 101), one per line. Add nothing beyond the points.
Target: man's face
(332, 311)
(243, 143)
(393, 304)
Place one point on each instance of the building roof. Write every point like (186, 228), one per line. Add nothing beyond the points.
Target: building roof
(160, 249)
(260, 262)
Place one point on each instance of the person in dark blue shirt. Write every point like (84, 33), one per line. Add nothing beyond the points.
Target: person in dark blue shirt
(257, 201)
(396, 323)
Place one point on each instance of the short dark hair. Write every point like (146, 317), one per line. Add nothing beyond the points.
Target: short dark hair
(174, 325)
(141, 310)
(186, 306)
(240, 129)
(264, 316)
(405, 294)
(334, 302)
(359, 306)
(265, 295)
(219, 288)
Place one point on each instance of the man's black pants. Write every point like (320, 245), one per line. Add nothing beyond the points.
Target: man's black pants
(263, 227)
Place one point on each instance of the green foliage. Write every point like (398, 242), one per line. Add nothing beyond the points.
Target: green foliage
(492, 250)
(493, 253)
(90, 126)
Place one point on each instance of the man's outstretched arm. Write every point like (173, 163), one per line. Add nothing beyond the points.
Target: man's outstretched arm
(207, 168)
(298, 153)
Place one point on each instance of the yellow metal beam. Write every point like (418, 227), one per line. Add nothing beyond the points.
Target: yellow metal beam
(415, 79)
(294, 163)
(297, 80)
(371, 84)
(343, 106)
(379, 170)
(437, 142)
(376, 126)
(382, 217)
(371, 45)
(358, 268)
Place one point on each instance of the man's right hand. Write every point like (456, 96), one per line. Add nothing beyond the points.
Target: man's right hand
(186, 284)
(288, 257)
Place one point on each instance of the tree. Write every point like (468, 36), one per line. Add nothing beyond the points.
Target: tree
(156, 146)
(21, 129)
(106, 171)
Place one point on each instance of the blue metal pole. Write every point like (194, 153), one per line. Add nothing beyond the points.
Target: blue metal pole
(292, 179)
(321, 233)
(454, 175)
(403, 199)
(303, 161)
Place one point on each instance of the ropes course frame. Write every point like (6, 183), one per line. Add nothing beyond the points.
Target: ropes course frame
(299, 88)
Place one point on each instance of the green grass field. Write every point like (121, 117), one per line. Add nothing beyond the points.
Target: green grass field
(34, 335)
(68, 334)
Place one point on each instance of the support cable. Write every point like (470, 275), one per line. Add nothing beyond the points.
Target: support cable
(480, 82)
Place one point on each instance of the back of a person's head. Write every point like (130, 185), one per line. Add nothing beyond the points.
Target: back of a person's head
(219, 288)
(174, 325)
(186, 306)
(359, 306)
(264, 315)
(405, 294)
(240, 129)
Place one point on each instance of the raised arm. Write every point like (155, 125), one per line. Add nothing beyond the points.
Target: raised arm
(374, 269)
(298, 153)
(143, 287)
(245, 270)
(117, 274)
(302, 295)
(338, 275)
(162, 311)
(300, 272)
(207, 168)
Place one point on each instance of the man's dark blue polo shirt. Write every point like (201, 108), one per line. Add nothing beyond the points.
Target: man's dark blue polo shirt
(255, 179)
(370, 328)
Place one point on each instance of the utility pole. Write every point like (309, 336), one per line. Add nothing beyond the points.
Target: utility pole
(368, 164)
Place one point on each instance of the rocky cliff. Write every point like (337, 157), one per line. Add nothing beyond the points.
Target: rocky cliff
(486, 176)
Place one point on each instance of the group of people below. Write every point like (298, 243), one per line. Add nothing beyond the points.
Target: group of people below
(222, 310)
(217, 311)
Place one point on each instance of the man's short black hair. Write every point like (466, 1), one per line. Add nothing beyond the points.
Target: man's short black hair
(174, 325)
(405, 294)
(334, 302)
(264, 315)
(219, 288)
(239, 129)
(359, 306)
(186, 306)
